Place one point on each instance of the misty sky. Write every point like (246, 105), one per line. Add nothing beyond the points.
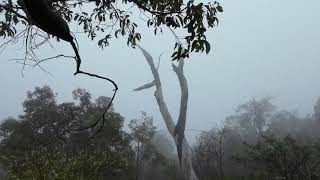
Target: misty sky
(260, 48)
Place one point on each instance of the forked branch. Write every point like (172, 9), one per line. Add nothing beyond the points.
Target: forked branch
(177, 132)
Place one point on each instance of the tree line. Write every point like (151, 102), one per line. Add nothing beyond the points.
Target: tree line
(261, 142)
(45, 141)
(52, 140)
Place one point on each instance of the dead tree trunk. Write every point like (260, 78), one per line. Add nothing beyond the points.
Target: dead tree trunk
(186, 155)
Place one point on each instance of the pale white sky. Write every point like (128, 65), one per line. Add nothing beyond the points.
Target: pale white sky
(261, 48)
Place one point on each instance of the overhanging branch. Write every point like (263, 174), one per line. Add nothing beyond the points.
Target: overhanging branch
(15, 12)
(141, 6)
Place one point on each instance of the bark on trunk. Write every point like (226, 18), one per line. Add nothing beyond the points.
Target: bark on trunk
(186, 155)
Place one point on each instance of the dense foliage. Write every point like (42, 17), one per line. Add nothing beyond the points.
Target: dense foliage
(41, 143)
(109, 18)
(257, 142)
(47, 141)
(260, 142)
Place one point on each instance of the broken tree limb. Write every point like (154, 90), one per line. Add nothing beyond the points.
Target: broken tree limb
(146, 86)
(186, 152)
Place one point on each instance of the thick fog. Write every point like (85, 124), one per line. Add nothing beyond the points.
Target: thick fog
(260, 48)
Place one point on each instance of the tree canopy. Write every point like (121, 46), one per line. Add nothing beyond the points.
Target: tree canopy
(260, 142)
(41, 143)
(105, 19)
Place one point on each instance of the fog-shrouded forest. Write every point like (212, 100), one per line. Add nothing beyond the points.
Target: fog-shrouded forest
(257, 141)
(159, 90)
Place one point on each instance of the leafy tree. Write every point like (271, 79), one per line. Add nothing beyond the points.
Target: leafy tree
(52, 163)
(154, 158)
(285, 157)
(252, 117)
(104, 20)
(142, 131)
(285, 147)
(47, 141)
(316, 110)
(214, 151)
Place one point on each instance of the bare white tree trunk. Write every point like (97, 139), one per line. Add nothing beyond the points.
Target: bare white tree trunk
(186, 155)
